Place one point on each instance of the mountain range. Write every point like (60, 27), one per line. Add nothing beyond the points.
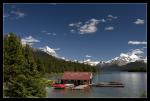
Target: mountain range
(121, 60)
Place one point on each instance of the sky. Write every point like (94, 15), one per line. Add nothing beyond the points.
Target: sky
(79, 31)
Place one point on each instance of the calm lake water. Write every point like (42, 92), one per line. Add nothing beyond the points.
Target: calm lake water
(135, 84)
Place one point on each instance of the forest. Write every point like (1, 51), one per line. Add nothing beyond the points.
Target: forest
(135, 67)
(50, 64)
(25, 67)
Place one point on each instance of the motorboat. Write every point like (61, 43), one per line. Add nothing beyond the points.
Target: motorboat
(59, 86)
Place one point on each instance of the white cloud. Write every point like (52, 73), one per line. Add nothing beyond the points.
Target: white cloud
(112, 17)
(14, 13)
(89, 27)
(109, 28)
(29, 40)
(75, 24)
(137, 42)
(18, 14)
(139, 21)
(88, 56)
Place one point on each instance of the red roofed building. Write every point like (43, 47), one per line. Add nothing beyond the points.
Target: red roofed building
(76, 78)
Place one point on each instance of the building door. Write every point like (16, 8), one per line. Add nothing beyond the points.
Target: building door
(78, 83)
(62, 82)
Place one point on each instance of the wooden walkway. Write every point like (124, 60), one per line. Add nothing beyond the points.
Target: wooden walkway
(110, 84)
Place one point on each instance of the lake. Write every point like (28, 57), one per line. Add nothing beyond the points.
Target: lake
(135, 84)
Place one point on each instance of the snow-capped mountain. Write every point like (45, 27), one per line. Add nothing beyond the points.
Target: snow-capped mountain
(145, 60)
(125, 58)
(49, 51)
(89, 62)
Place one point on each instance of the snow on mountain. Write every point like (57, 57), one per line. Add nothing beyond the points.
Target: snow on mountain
(75, 60)
(124, 58)
(49, 51)
(134, 58)
(145, 60)
(89, 62)
(63, 58)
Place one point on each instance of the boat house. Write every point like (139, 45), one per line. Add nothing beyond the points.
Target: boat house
(76, 78)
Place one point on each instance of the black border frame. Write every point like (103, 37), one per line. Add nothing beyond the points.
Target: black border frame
(57, 1)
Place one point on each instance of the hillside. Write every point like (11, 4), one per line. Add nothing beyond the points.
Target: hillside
(135, 66)
(56, 65)
(131, 67)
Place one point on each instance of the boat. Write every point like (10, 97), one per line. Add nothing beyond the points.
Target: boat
(80, 87)
(69, 86)
(58, 86)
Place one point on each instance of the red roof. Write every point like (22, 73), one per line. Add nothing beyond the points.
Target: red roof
(76, 76)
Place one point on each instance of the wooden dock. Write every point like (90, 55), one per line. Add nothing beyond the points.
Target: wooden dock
(109, 84)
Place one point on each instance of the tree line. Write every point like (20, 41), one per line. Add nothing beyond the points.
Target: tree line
(135, 67)
(50, 64)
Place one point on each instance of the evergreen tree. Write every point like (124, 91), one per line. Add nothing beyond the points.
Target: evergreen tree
(40, 66)
(32, 71)
(22, 76)
(13, 63)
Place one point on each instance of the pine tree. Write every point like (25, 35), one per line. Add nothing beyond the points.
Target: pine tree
(22, 76)
(33, 74)
(40, 66)
(13, 62)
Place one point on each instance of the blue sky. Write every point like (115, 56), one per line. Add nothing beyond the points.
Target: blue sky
(101, 31)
